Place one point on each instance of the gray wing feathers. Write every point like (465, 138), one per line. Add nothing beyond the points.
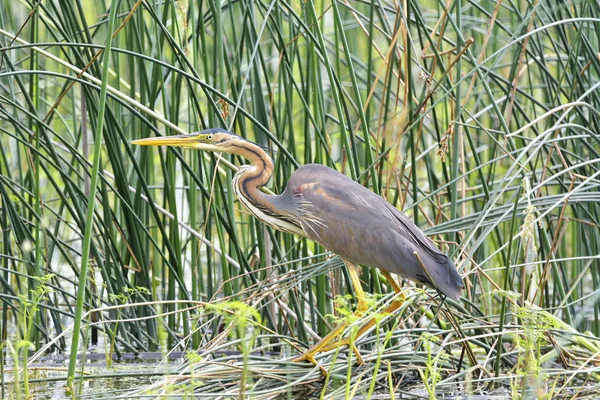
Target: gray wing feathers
(365, 229)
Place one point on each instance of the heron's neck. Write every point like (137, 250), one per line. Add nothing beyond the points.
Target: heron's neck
(250, 178)
(248, 181)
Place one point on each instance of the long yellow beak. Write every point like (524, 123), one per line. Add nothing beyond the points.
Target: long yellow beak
(176, 140)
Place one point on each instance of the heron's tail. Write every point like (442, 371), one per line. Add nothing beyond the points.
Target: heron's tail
(445, 278)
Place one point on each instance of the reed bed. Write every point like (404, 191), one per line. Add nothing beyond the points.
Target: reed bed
(479, 119)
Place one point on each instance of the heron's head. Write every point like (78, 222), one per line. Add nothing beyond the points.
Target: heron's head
(214, 139)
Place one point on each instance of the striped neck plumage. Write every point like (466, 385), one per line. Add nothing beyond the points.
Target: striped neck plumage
(250, 178)
(247, 183)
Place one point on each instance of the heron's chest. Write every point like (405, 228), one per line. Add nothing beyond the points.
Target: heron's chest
(264, 213)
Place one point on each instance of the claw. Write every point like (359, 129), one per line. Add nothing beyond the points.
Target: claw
(310, 357)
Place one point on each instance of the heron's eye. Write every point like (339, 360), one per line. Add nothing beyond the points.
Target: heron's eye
(209, 138)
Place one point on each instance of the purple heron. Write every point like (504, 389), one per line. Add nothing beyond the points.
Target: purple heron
(340, 214)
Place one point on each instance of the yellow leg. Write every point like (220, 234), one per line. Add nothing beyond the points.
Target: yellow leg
(388, 310)
(326, 342)
(393, 283)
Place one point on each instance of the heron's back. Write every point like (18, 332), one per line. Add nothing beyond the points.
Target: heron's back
(365, 229)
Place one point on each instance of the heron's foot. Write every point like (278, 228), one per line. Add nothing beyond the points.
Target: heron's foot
(328, 343)
(340, 343)
(324, 346)
(306, 356)
(359, 359)
(344, 342)
(310, 357)
(363, 329)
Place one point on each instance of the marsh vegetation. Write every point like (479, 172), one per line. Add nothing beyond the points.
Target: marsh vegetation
(479, 119)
